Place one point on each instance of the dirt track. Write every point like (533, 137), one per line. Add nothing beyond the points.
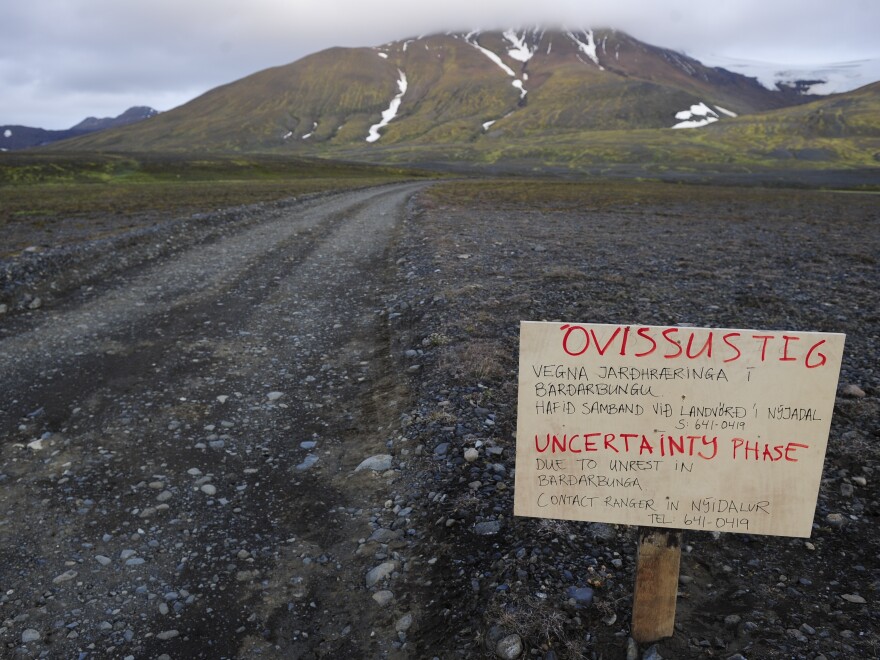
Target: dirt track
(179, 449)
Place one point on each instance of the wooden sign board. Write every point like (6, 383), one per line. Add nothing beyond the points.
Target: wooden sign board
(679, 427)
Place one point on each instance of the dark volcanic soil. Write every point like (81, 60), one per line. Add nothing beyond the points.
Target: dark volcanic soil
(181, 437)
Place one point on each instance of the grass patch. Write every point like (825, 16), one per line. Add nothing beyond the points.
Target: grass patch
(477, 359)
(55, 186)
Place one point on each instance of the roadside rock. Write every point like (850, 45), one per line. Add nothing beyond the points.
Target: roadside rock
(509, 648)
(380, 572)
(377, 463)
(488, 528)
(853, 391)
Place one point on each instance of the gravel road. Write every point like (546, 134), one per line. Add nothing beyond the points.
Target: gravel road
(180, 445)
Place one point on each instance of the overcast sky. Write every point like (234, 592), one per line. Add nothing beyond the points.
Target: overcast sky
(64, 60)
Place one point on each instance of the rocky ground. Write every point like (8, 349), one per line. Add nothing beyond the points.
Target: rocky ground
(184, 438)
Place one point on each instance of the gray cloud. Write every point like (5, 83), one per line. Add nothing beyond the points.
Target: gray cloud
(61, 60)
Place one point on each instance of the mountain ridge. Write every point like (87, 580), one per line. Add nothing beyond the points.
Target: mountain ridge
(14, 137)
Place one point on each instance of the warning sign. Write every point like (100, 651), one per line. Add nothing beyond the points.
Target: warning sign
(692, 428)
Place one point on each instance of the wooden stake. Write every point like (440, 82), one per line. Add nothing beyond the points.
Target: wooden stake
(659, 557)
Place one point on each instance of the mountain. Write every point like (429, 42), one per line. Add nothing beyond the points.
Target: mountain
(542, 96)
(22, 137)
(130, 116)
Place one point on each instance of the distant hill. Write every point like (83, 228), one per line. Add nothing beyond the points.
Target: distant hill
(22, 137)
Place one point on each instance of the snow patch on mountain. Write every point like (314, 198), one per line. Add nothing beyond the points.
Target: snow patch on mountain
(488, 53)
(311, 132)
(469, 38)
(7, 133)
(488, 124)
(587, 47)
(391, 112)
(688, 117)
(384, 56)
(520, 50)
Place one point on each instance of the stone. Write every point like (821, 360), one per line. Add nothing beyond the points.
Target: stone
(383, 597)
(442, 449)
(380, 572)
(581, 595)
(509, 647)
(652, 654)
(488, 528)
(852, 391)
(632, 649)
(308, 461)
(471, 454)
(4, 309)
(854, 598)
(66, 576)
(377, 463)
(835, 519)
(274, 396)
(383, 535)
(209, 489)
(30, 635)
(101, 559)
(602, 531)
(404, 623)
(167, 634)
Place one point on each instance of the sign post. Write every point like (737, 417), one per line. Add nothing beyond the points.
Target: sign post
(673, 428)
(657, 564)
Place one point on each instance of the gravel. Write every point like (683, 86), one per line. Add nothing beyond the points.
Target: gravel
(293, 437)
(723, 258)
